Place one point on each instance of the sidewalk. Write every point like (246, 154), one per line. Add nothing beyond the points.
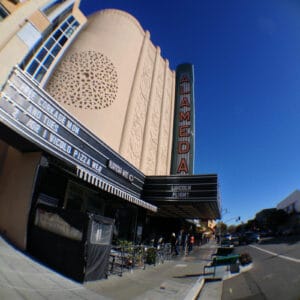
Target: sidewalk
(23, 278)
(180, 278)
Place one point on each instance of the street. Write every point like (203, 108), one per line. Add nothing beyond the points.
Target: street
(275, 273)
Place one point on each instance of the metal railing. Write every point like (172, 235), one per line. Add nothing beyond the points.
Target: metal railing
(129, 257)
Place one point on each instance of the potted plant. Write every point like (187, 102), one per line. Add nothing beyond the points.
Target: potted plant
(245, 259)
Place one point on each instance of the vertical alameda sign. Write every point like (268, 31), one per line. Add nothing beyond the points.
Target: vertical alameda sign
(183, 136)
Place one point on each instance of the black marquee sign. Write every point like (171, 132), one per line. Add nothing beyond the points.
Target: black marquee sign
(172, 193)
(31, 112)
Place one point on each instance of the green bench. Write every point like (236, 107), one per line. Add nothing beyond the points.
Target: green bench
(226, 260)
(223, 251)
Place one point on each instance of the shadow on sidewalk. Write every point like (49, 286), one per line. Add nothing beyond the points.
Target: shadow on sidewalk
(189, 275)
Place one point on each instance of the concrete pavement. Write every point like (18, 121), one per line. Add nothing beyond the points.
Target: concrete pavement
(23, 278)
(180, 278)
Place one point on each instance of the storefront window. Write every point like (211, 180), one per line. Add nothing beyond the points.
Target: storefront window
(81, 198)
(3, 13)
(50, 48)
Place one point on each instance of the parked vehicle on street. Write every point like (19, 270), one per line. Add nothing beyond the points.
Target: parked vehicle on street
(249, 237)
(235, 239)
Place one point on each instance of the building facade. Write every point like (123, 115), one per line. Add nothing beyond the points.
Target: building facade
(291, 204)
(86, 115)
(115, 74)
(34, 36)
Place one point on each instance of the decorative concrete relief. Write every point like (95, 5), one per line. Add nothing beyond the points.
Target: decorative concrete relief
(151, 53)
(159, 86)
(146, 81)
(147, 74)
(154, 122)
(151, 157)
(124, 14)
(138, 123)
(163, 155)
(136, 132)
(85, 80)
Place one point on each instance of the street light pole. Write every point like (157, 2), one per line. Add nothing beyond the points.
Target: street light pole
(224, 211)
(220, 226)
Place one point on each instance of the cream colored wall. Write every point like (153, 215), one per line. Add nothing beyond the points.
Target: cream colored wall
(11, 55)
(138, 123)
(148, 129)
(12, 24)
(9, 6)
(118, 37)
(16, 186)
(78, 14)
(13, 49)
(39, 20)
(164, 151)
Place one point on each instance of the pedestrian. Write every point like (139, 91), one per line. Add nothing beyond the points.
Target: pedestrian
(186, 243)
(174, 248)
(192, 241)
(179, 241)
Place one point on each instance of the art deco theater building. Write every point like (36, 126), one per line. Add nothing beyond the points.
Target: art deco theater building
(93, 122)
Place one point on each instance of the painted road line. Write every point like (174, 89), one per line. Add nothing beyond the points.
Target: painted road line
(297, 260)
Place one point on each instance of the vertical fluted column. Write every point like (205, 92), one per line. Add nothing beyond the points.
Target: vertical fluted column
(126, 147)
(163, 137)
(168, 170)
(151, 130)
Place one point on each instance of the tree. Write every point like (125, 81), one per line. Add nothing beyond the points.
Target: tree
(221, 228)
(231, 229)
(250, 225)
(276, 219)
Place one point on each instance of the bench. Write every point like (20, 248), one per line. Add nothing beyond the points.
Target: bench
(223, 251)
(222, 260)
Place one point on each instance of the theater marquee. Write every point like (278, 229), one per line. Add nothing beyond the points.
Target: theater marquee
(34, 115)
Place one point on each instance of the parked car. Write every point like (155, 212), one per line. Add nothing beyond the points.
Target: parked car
(249, 237)
(226, 240)
(230, 239)
(235, 239)
(226, 237)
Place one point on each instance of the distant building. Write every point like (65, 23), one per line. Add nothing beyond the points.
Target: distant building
(262, 218)
(291, 204)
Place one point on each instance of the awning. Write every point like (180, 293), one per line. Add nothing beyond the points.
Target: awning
(103, 184)
(184, 196)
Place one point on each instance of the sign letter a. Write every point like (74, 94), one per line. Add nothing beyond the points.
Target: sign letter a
(182, 166)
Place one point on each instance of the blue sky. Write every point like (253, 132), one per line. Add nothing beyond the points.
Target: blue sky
(246, 57)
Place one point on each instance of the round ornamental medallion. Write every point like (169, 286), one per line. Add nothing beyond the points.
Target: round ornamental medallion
(86, 80)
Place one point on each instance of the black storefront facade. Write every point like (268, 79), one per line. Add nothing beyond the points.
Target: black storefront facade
(84, 194)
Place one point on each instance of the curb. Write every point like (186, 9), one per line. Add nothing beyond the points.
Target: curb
(242, 270)
(195, 290)
(198, 286)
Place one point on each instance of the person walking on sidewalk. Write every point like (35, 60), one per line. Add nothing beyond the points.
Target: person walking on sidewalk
(192, 241)
(180, 241)
(174, 247)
